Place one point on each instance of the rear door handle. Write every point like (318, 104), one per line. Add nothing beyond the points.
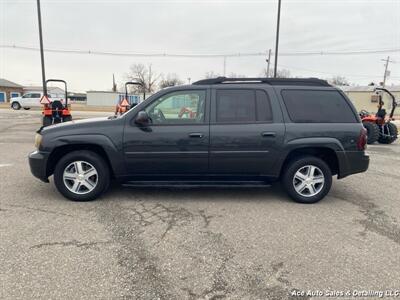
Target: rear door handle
(196, 135)
(268, 134)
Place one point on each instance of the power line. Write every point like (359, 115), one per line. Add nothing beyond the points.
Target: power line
(329, 73)
(198, 55)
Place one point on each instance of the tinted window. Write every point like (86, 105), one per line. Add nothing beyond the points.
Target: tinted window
(35, 96)
(264, 111)
(238, 106)
(317, 107)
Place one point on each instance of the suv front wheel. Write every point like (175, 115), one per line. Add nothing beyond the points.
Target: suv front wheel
(307, 179)
(16, 106)
(82, 176)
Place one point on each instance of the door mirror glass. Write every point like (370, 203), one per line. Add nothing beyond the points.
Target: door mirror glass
(142, 118)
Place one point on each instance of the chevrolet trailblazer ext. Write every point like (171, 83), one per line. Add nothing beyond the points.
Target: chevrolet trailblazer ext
(219, 131)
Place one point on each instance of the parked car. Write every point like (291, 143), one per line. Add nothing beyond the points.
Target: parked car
(31, 99)
(252, 130)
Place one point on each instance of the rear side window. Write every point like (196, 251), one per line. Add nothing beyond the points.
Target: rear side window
(243, 106)
(312, 106)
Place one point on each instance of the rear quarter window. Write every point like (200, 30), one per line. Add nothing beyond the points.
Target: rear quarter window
(317, 106)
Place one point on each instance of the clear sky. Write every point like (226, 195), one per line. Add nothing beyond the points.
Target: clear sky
(197, 27)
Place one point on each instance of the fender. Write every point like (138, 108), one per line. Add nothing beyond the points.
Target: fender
(312, 142)
(115, 155)
(323, 142)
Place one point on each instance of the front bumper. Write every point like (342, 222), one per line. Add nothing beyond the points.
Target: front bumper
(352, 162)
(38, 164)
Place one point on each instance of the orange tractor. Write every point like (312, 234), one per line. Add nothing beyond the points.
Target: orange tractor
(124, 104)
(55, 110)
(379, 126)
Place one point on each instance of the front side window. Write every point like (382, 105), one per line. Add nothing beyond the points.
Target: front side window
(183, 107)
(35, 96)
(26, 96)
(317, 106)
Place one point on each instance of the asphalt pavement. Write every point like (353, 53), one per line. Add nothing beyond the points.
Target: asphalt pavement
(197, 243)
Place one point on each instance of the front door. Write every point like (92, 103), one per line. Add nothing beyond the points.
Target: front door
(177, 140)
(246, 131)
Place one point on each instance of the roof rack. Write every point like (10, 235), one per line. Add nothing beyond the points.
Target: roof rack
(270, 81)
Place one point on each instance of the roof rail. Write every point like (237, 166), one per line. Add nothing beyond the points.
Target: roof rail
(270, 81)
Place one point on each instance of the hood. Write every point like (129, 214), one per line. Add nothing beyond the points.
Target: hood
(76, 123)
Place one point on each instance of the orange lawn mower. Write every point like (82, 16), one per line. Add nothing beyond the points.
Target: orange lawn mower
(124, 104)
(379, 126)
(54, 110)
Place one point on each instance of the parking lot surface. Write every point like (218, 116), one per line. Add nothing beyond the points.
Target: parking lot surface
(198, 243)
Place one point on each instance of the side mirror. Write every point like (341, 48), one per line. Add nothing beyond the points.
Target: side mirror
(142, 118)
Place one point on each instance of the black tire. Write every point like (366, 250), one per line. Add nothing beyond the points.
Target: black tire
(103, 175)
(15, 106)
(27, 108)
(47, 121)
(295, 165)
(67, 118)
(372, 132)
(386, 139)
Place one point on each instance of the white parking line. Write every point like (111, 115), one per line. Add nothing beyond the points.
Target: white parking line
(5, 165)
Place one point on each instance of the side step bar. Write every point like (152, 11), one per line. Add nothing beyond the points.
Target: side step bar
(188, 184)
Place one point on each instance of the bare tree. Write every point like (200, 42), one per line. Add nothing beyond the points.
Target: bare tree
(236, 75)
(145, 76)
(211, 74)
(338, 80)
(170, 80)
(280, 73)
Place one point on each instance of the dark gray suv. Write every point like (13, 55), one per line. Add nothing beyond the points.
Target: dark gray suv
(220, 131)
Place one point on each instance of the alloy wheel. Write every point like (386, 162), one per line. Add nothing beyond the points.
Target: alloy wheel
(308, 181)
(80, 177)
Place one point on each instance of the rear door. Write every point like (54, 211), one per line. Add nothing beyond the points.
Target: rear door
(246, 131)
(35, 99)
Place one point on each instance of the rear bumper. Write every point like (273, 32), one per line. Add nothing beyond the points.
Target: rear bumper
(38, 163)
(352, 162)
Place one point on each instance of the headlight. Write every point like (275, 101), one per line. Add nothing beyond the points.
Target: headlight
(38, 140)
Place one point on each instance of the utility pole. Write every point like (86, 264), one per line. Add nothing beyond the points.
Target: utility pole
(268, 61)
(189, 79)
(224, 66)
(277, 38)
(41, 49)
(387, 61)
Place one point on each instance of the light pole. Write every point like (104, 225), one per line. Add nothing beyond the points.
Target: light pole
(268, 61)
(41, 49)
(277, 38)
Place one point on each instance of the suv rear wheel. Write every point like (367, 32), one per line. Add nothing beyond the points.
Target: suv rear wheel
(82, 176)
(307, 179)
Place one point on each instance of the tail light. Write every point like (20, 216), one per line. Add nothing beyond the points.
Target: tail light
(362, 140)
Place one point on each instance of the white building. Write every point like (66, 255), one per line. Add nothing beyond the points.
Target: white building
(106, 98)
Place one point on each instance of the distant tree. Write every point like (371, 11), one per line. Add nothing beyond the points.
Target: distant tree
(280, 73)
(235, 75)
(170, 80)
(144, 75)
(211, 74)
(339, 80)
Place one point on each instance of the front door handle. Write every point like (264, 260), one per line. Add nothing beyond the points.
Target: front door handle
(268, 134)
(196, 135)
